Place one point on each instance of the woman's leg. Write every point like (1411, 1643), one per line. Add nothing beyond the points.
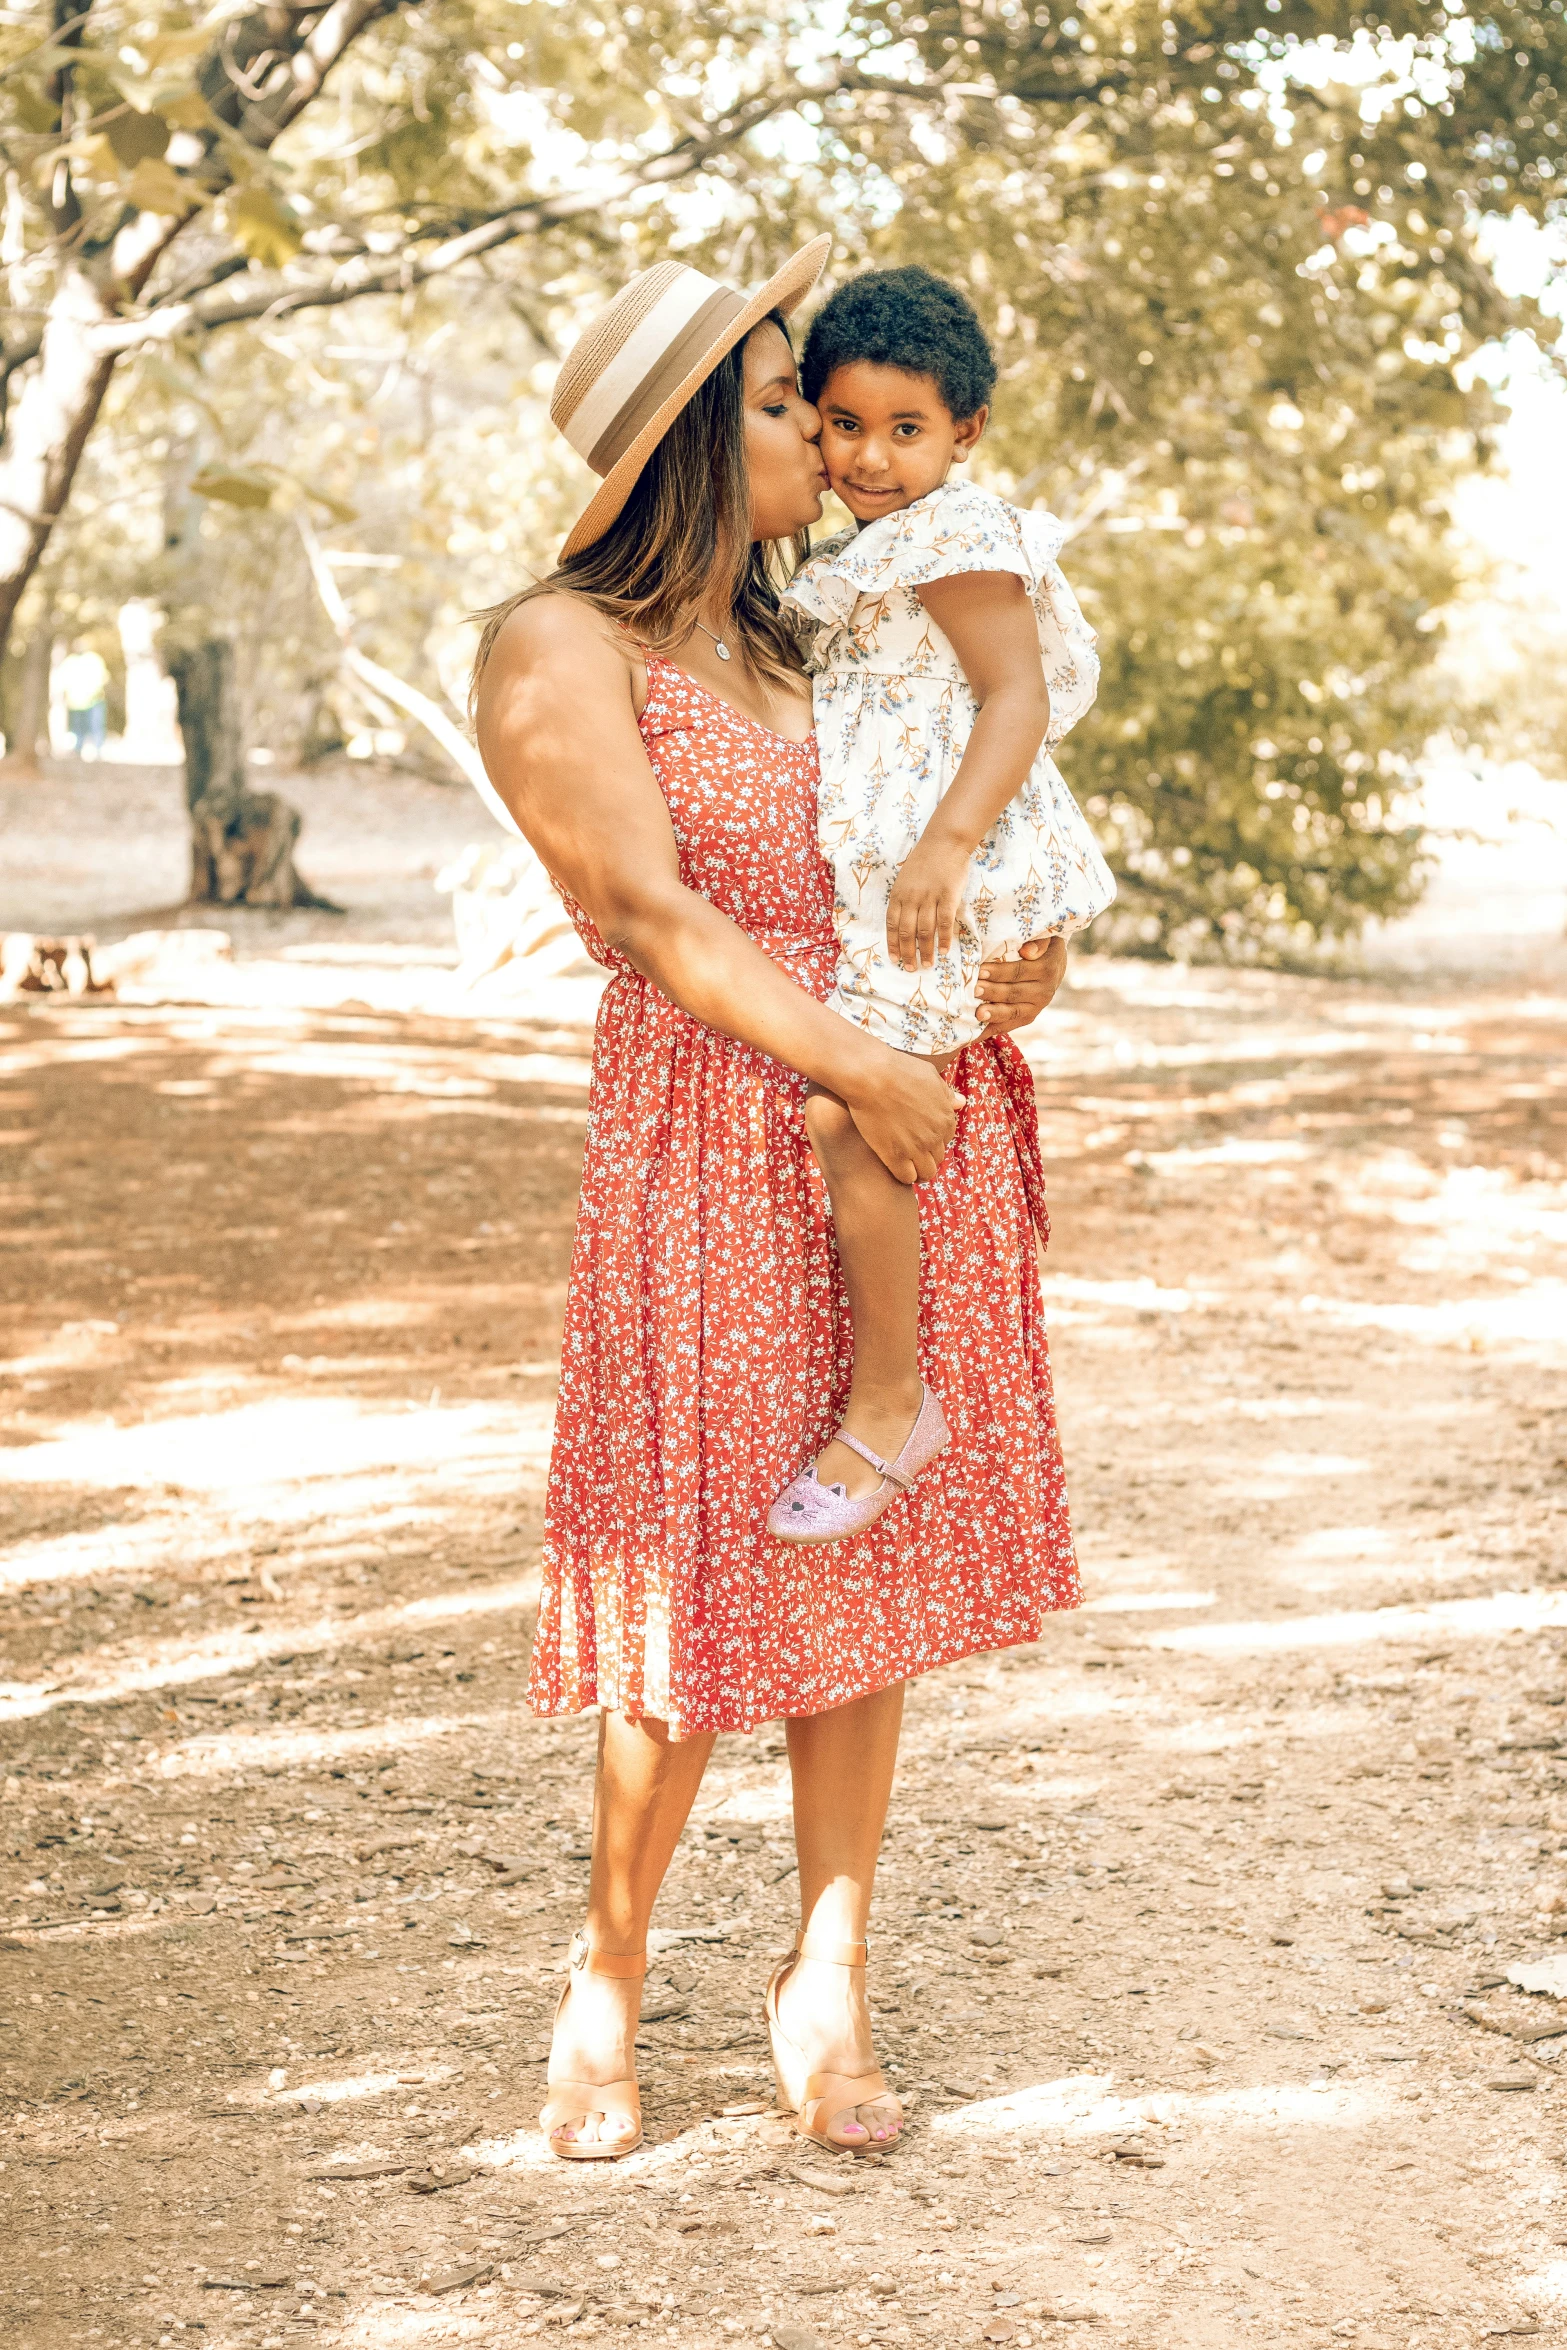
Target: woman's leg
(876, 1222)
(842, 1765)
(642, 1796)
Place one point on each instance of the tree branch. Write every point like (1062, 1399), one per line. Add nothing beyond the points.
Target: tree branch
(398, 272)
(851, 79)
(405, 697)
(210, 305)
(259, 76)
(310, 64)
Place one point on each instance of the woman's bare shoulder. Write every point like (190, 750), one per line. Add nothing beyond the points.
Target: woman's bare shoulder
(556, 629)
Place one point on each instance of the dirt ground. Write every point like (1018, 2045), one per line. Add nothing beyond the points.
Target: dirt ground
(1191, 1951)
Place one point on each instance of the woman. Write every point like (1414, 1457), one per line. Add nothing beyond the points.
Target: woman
(644, 716)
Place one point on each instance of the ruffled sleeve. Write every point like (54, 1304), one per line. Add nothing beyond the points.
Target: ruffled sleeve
(956, 529)
(1066, 642)
(820, 589)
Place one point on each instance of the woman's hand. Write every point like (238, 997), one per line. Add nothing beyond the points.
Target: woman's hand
(906, 1113)
(1013, 994)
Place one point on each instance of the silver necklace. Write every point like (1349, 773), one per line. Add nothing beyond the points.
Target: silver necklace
(719, 646)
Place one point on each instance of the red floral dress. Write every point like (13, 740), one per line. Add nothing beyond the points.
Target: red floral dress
(707, 1344)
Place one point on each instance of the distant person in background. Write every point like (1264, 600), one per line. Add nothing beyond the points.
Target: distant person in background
(84, 677)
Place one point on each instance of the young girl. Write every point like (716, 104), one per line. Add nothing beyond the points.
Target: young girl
(952, 659)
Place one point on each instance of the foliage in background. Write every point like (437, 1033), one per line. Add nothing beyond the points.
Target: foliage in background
(1233, 256)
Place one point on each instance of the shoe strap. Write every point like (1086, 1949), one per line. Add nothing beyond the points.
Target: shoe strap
(886, 1467)
(595, 2096)
(584, 1958)
(825, 1953)
(852, 2088)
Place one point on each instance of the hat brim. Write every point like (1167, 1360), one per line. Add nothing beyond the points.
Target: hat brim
(784, 291)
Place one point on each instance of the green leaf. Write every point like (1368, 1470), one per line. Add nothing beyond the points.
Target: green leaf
(137, 138)
(338, 508)
(35, 109)
(189, 113)
(173, 48)
(154, 187)
(234, 486)
(260, 226)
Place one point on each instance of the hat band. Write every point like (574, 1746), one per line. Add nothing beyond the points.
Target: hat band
(613, 429)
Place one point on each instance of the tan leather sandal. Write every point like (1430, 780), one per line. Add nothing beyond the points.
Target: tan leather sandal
(819, 2100)
(604, 2101)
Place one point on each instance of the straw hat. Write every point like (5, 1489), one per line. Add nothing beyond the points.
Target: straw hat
(626, 380)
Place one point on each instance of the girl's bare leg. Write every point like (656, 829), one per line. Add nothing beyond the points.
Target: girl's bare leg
(642, 1796)
(877, 1223)
(842, 1765)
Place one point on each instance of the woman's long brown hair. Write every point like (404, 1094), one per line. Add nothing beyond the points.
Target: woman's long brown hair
(688, 518)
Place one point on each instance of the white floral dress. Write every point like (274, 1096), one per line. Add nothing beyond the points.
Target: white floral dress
(893, 716)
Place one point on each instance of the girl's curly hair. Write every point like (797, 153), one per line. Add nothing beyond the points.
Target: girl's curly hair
(907, 318)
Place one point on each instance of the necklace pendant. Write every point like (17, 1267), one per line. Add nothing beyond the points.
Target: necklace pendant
(720, 648)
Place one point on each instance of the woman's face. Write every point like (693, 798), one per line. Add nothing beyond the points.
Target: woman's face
(788, 478)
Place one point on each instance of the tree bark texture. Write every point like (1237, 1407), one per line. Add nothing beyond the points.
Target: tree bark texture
(242, 841)
(47, 432)
(32, 700)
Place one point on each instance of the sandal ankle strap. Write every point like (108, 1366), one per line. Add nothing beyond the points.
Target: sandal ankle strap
(826, 1953)
(583, 1958)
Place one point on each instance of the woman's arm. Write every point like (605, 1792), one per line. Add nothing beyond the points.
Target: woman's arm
(989, 621)
(558, 736)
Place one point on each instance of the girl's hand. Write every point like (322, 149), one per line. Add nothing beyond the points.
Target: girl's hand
(907, 1114)
(924, 902)
(1013, 994)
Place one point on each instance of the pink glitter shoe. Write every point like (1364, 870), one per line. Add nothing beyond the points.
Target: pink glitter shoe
(806, 1511)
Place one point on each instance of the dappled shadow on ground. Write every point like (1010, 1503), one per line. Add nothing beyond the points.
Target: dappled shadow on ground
(290, 1867)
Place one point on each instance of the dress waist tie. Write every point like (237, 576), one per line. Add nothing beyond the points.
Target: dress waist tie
(1021, 1104)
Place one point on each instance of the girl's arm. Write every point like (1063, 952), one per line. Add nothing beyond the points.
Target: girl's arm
(558, 735)
(989, 621)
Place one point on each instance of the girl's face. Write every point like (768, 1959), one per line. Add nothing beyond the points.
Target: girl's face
(889, 437)
(788, 478)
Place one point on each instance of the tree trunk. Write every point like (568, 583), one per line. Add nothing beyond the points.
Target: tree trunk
(47, 432)
(32, 700)
(242, 841)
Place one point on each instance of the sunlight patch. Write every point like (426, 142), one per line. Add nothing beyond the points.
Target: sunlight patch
(1124, 1603)
(362, 2085)
(91, 1929)
(283, 1442)
(1143, 1295)
(1547, 2286)
(1536, 1313)
(204, 1757)
(1502, 1611)
(172, 1666)
(1342, 1542)
(1235, 1153)
(1313, 1464)
(1084, 2106)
